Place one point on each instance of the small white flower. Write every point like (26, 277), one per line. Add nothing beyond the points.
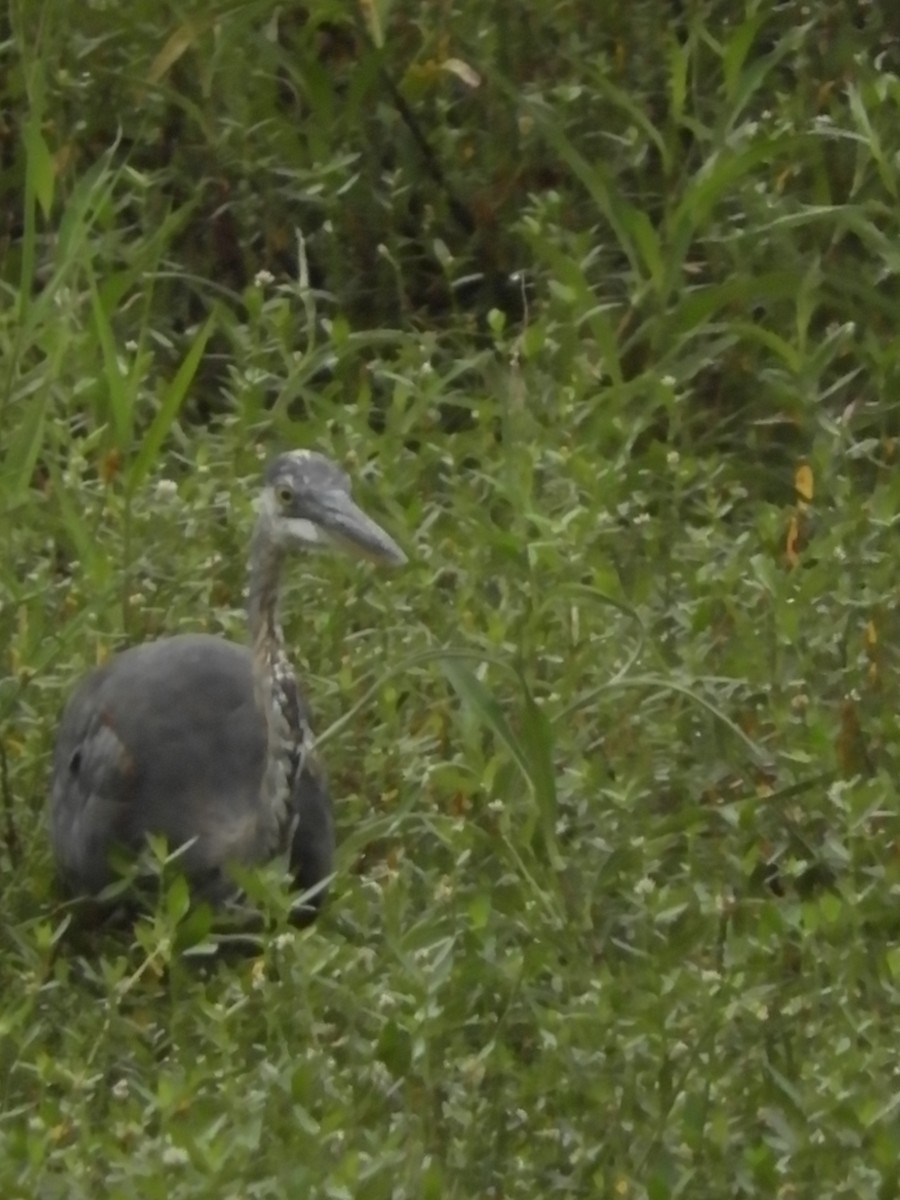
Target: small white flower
(174, 1156)
(120, 1089)
(263, 278)
(166, 489)
(444, 889)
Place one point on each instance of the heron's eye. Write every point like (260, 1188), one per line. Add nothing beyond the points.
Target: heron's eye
(285, 494)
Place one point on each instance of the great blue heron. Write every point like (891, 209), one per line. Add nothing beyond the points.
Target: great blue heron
(204, 741)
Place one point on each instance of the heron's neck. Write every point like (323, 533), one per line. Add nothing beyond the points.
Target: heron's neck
(262, 600)
(275, 689)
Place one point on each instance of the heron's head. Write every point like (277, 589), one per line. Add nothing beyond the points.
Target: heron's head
(306, 504)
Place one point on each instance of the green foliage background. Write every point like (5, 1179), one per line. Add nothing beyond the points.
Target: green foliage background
(599, 303)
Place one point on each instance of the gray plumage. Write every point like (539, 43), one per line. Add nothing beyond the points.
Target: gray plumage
(203, 741)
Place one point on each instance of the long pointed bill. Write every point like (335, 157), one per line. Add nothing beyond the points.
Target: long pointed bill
(347, 526)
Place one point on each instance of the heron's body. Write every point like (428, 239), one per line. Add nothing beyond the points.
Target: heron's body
(204, 742)
(168, 739)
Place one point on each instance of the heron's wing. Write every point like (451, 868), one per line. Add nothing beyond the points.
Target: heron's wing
(92, 781)
(165, 739)
(312, 844)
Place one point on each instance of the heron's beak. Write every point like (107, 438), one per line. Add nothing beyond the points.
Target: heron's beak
(346, 525)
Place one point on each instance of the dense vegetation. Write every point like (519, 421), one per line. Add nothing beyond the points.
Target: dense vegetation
(599, 304)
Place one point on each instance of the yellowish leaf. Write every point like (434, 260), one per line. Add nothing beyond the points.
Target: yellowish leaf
(177, 45)
(791, 548)
(803, 482)
(64, 157)
(13, 746)
(375, 13)
(110, 466)
(463, 71)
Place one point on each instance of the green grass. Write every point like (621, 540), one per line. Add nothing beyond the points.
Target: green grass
(615, 757)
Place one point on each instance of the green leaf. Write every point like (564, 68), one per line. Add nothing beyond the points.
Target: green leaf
(172, 399)
(120, 391)
(473, 693)
(538, 738)
(532, 753)
(40, 168)
(24, 447)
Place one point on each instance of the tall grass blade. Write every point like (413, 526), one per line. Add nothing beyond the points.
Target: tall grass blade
(474, 694)
(172, 400)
